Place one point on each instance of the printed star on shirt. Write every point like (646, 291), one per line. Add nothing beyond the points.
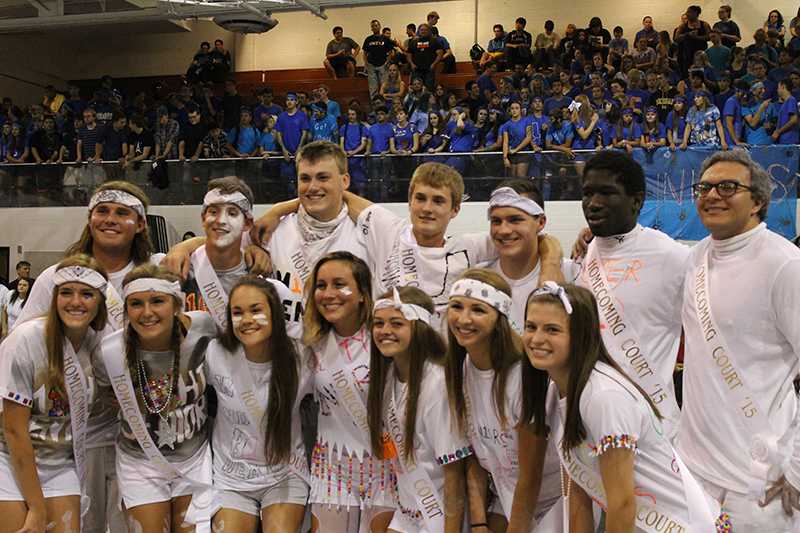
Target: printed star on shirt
(166, 436)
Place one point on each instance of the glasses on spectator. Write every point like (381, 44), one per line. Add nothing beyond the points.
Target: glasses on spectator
(725, 188)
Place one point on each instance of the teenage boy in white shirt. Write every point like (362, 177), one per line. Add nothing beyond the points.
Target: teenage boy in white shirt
(739, 426)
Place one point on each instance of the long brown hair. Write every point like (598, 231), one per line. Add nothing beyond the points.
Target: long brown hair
(142, 246)
(314, 324)
(506, 351)
(179, 331)
(54, 327)
(426, 345)
(285, 377)
(586, 348)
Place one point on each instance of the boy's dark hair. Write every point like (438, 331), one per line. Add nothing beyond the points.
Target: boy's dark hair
(521, 20)
(411, 26)
(618, 29)
(337, 28)
(498, 26)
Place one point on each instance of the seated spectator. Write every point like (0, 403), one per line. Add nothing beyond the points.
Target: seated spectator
(738, 66)
(676, 123)
(617, 48)
(417, 97)
(434, 139)
(545, 46)
(74, 103)
(45, 144)
(474, 99)
(323, 125)
(266, 107)
(761, 48)
(200, 68)
(332, 107)
(393, 86)
(495, 49)
(758, 72)
(221, 62)
(785, 66)
(644, 57)
(112, 141)
(719, 55)
(268, 140)
(558, 98)
(728, 30)
(53, 100)
(774, 23)
(759, 116)
(243, 139)
(215, 143)
(648, 33)
(704, 124)
(140, 140)
(404, 140)
(166, 135)
(654, 134)
(340, 55)
(424, 54)
(518, 44)
(627, 133)
(485, 82)
(598, 37)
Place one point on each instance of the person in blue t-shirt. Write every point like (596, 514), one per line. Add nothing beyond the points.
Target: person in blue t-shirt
(353, 138)
(558, 99)
(759, 117)
(323, 126)
(265, 107)
(704, 123)
(786, 131)
(627, 133)
(463, 135)
(732, 114)
(539, 123)
(676, 122)
(516, 135)
(404, 140)
(292, 128)
(585, 121)
(434, 139)
(380, 132)
(654, 135)
(243, 139)
(561, 132)
(268, 142)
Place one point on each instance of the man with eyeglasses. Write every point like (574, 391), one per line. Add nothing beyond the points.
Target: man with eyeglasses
(636, 276)
(738, 432)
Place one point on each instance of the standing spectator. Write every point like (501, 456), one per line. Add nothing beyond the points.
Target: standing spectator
(518, 44)
(266, 107)
(87, 136)
(23, 270)
(376, 55)
(221, 62)
(53, 100)
(353, 138)
(598, 37)
(200, 69)
(243, 139)
(112, 142)
(786, 131)
(704, 124)
(231, 104)
(424, 53)
(340, 55)
(190, 139)
(166, 135)
(380, 132)
(732, 114)
(676, 123)
(448, 61)
(485, 81)
(762, 48)
(45, 144)
(332, 108)
(759, 117)
(323, 126)
(74, 103)
(140, 140)
(215, 143)
(718, 54)
(648, 33)
(393, 86)
(785, 66)
(545, 45)
(495, 49)
(774, 22)
(104, 111)
(13, 307)
(617, 47)
(691, 37)
(728, 29)
(292, 127)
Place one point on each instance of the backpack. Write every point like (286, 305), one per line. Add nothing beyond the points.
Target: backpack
(476, 52)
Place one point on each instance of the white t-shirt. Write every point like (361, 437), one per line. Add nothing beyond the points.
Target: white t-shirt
(754, 284)
(645, 270)
(616, 415)
(293, 258)
(497, 446)
(13, 310)
(24, 380)
(395, 258)
(239, 453)
(523, 287)
(436, 440)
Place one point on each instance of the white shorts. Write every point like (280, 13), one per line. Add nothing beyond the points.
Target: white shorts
(746, 515)
(56, 481)
(291, 490)
(142, 483)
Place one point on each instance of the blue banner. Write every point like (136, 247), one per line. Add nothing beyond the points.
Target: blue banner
(669, 205)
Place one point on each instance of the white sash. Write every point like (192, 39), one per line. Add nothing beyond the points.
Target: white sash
(766, 451)
(115, 306)
(409, 474)
(341, 377)
(649, 516)
(625, 347)
(208, 284)
(77, 394)
(203, 504)
(255, 409)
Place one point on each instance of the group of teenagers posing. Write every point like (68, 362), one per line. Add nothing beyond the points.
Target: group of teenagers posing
(470, 383)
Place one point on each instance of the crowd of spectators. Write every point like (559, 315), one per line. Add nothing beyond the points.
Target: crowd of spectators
(583, 89)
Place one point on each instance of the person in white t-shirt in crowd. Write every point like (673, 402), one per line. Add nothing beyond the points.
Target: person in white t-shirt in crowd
(483, 366)
(409, 416)
(13, 304)
(351, 490)
(636, 276)
(614, 450)
(739, 426)
(516, 224)
(42, 447)
(259, 378)
(4, 293)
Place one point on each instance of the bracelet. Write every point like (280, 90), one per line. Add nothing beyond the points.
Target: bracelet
(481, 524)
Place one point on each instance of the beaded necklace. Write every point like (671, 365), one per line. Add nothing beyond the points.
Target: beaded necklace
(152, 402)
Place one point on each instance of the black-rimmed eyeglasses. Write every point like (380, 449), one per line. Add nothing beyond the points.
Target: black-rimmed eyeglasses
(725, 188)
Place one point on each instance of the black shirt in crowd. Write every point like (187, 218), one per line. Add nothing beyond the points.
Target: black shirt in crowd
(423, 51)
(192, 135)
(112, 141)
(377, 49)
(231, 105)
(519, 37)
(138, 141)
(46, 143)
(728, 27)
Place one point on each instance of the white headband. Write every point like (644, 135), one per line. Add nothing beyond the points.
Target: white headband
(79, 274)
(472, 288)
(216, 197)
(508, 197)
(117, 196)
(554, 289)
(154, 285)
(409, 311)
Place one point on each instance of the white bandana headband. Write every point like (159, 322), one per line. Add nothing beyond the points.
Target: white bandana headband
(154, 285)
(472, 288)
(554, 289)
(216, 197)
(79, 274)
(409, 311)
(117, 196)
(508, 197)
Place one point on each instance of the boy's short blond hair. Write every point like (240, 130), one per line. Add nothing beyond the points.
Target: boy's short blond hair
(439, 176)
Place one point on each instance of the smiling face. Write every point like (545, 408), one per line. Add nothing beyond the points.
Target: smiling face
(224, 225)
(431, 210)
(320, 186)
(728, 217)
(607, 207)
(151, 315)
(471, 322)
(337, 296)
(546, 337)
(251, 316)
(514, 232)
(391, 332)
(113, 226)
(77, 305)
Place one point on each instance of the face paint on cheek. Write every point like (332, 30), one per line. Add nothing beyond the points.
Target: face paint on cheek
(236, 320)
(234, 225)
(130, 222)
(346, 291)
(261, 319)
